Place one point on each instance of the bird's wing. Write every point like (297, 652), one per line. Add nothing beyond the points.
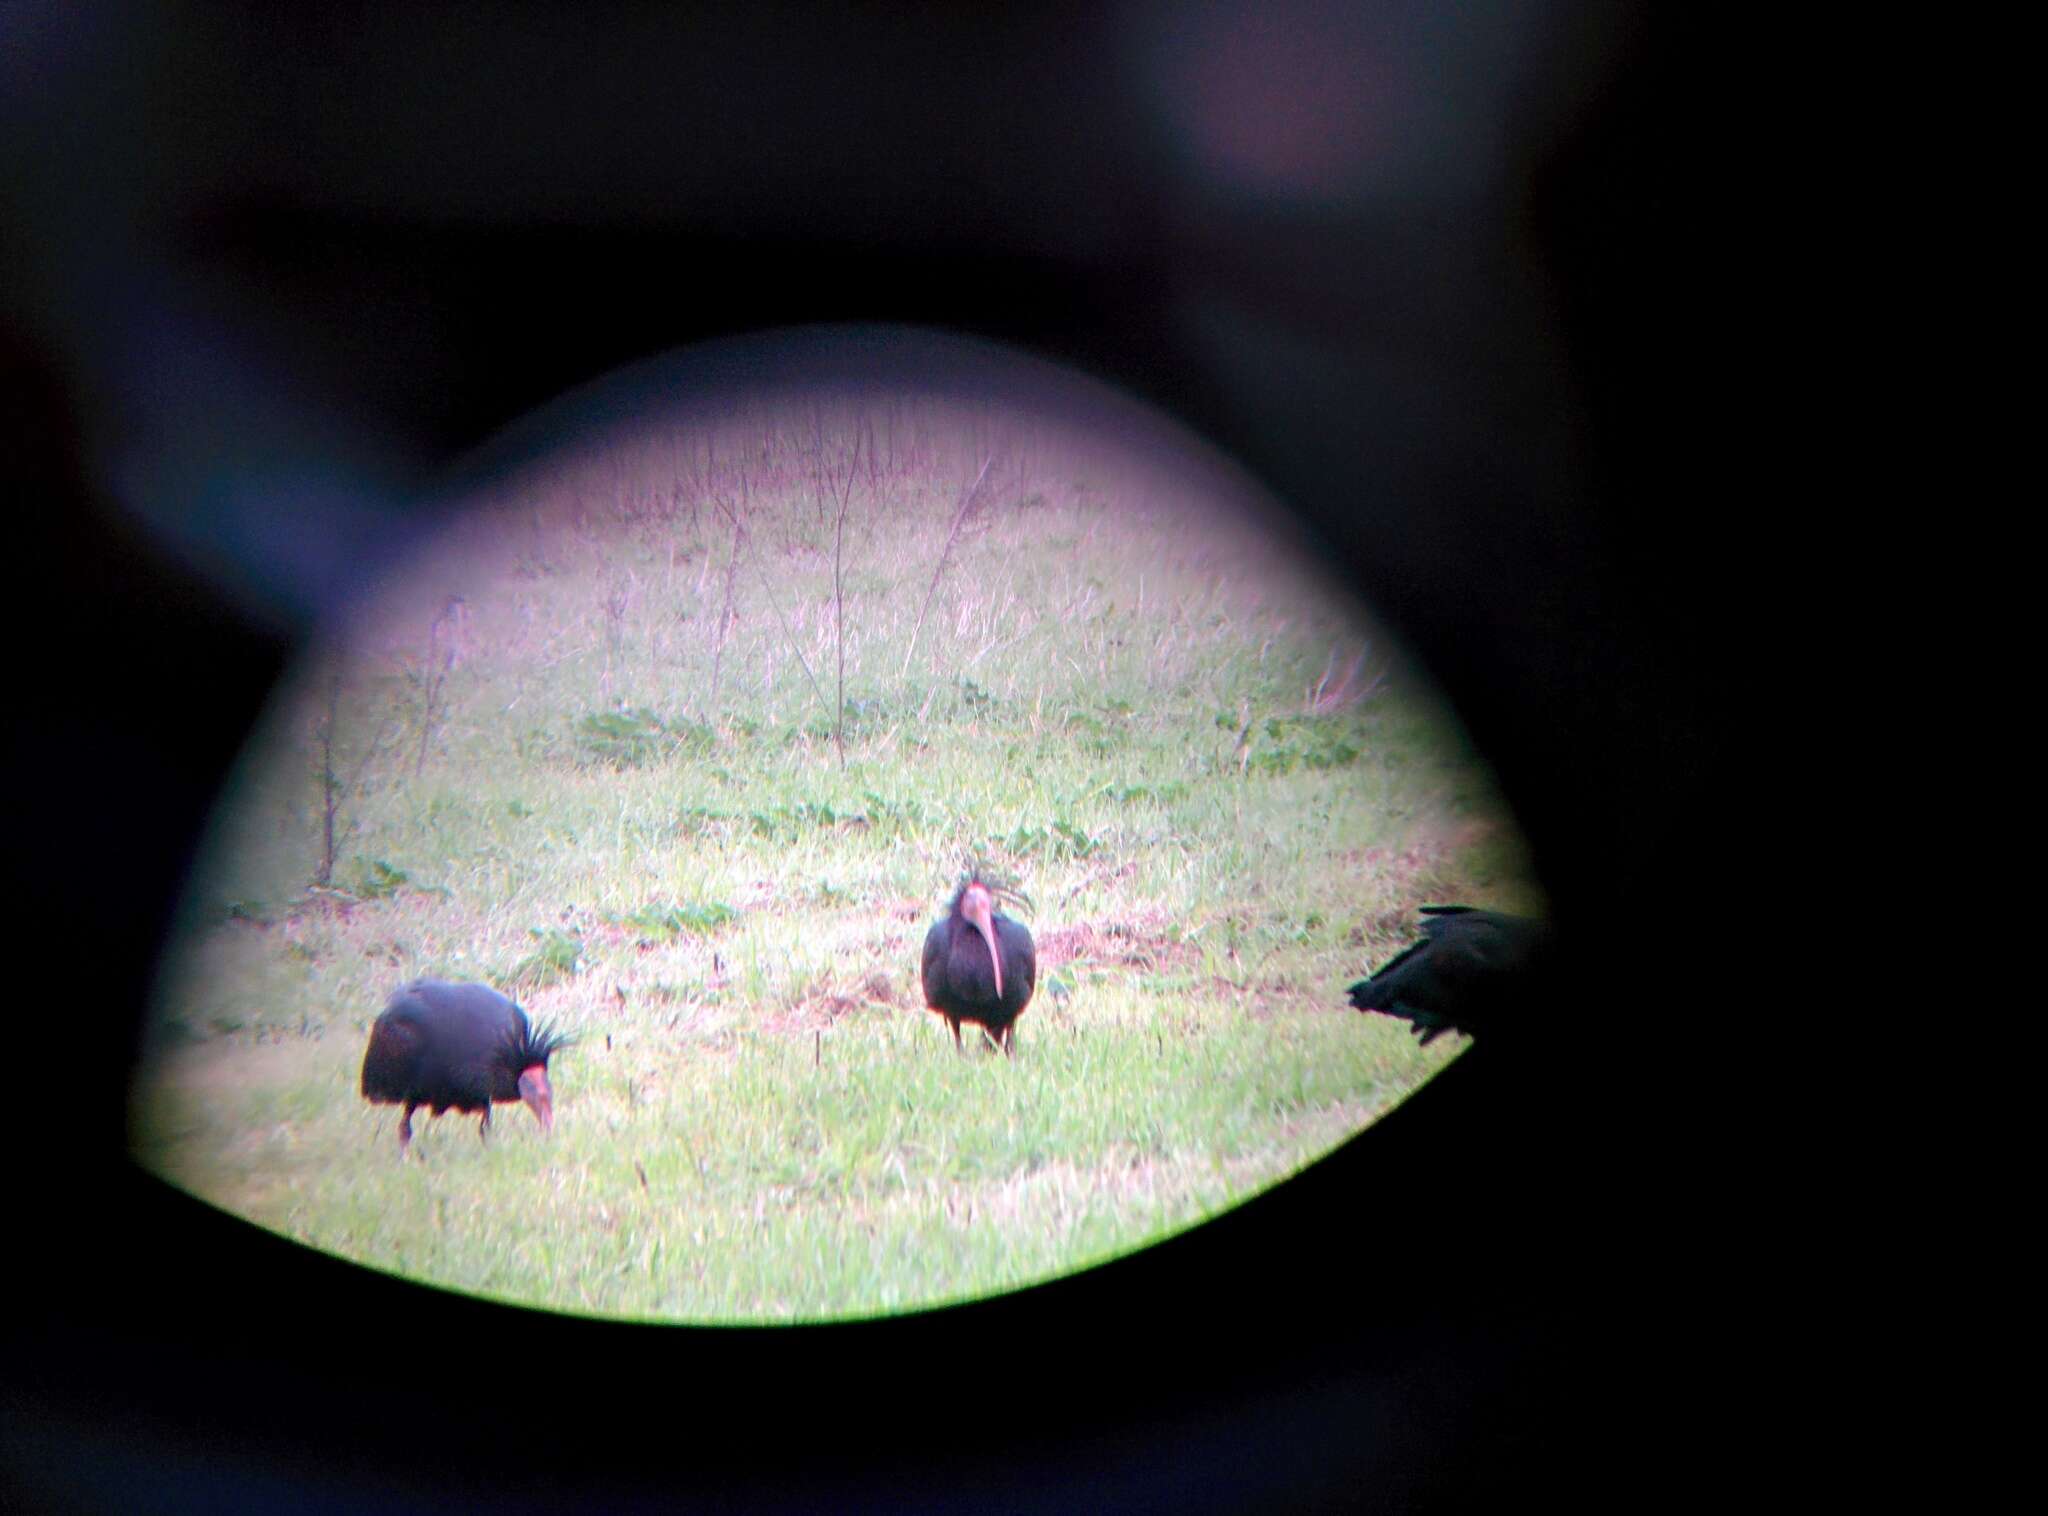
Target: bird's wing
(933, 975)
(395, 1042)
(1376, 990)
(1021, 953)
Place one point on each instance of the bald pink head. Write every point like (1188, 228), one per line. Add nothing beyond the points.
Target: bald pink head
(978, 906)
(539, 1097)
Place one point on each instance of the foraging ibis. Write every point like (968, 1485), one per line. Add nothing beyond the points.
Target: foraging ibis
(1469, 968)
(457, 1045)
(979, 965)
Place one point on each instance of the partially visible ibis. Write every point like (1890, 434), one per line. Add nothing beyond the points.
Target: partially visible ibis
(1470, 972)
(460, 1047)
(979, 965)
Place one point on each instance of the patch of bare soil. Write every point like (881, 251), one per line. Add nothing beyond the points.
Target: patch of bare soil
(1414, 871)
(1136, 942)
(823, 1004)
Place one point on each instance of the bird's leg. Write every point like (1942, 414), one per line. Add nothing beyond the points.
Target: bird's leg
(954, 1023)
(993, 1040)
(483, 1128)
(1009, 1040)
(405, 1130)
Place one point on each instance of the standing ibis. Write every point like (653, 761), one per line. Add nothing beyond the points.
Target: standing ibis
(1469, 968)
(978, 965)
(457, 1045)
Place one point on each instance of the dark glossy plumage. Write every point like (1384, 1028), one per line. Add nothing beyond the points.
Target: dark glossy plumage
(960, 978)
(457, 1047)
(1470, 970)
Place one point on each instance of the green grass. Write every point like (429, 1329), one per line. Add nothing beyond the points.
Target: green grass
(1112, 699)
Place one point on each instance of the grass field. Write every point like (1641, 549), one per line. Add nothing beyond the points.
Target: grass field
(622, 780)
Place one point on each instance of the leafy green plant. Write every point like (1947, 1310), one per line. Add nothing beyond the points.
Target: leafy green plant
(556, 956)
(669, 920)
(374, 879)
(633, 738)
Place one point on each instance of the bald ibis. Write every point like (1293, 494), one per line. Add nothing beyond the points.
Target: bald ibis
(1470, 967)
(457, 1045)
(979, 965)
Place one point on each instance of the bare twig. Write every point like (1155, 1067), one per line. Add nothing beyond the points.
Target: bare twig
(732, 569)
(952, 536)
(618, 597)
(839, 600)
(776, 606)
(377, 743)
(446, 638)
(332, 785)
(817, 419)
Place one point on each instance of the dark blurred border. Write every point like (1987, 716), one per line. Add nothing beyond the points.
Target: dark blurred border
(353, 243)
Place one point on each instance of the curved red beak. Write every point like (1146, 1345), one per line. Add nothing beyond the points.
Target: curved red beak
(979, 910)
(539, 1098)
